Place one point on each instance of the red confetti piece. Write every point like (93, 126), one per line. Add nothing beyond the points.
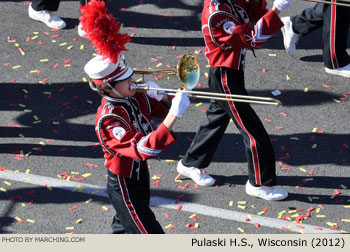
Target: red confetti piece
(189, 139)
(3, 168)
(21, 221)
(179, 56)
(325, 85)
(156, 183)
(55, 36)
(181, 196)
(13, 80)
(264, 70)
(47, 33)
(279, 127)
(31, 202)
(267, 120)
(26, 4)
(168, 15)
(284, 114)
(197, 51)
(67, 61)
(257, 225)
(123, 9)
(189, 224)
(284, 228)
(27, 39)
(336, 192)
(177, 201)
(318, 228)
(75, 207)
(45, 79)
(320, 132)
(40, 42)
(200, 85)
(334, 228)
(346, 146)
(56, 65)
(298, 226)
(179, 208)
(166, 215)
(132, 35)
(154, 59)
(320, 206)
(204, 110)
(60, 90)
(194, 218)
(285, 169)
(62, 149)
(173, 47)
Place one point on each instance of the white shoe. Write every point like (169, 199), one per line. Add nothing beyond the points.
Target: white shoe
(290, 38)
(266, 192)
(81, 32)
(46, 17)
(343, 71)
(195, 174)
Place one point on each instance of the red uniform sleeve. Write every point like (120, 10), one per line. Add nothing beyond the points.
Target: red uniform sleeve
(122, 139)
(254, 11)
(227, 31)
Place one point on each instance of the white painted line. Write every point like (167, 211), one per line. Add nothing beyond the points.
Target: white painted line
(167, 203)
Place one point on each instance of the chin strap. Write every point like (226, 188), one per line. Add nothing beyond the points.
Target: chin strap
(113, 89)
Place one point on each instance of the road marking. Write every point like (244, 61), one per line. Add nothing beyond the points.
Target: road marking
(166, 203)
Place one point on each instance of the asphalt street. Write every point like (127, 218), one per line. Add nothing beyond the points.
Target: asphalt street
(52, 177)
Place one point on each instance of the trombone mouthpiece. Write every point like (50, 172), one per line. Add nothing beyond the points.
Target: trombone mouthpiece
(133, 86)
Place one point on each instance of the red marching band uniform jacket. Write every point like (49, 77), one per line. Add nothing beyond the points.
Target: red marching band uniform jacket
(227, 30)
(125, 132)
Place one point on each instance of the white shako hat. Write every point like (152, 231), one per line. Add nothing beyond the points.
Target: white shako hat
(100, 70)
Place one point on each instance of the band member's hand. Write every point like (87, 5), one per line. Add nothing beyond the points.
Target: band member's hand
(179, 104)
(282, 4)
(152, 93)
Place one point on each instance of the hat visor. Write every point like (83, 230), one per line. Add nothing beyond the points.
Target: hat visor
(126, 75)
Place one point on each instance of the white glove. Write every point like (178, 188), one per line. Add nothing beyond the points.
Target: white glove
(179, 104)
(152, 93)
(282, 4)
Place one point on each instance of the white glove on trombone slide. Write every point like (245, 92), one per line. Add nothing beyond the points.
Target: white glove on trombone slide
(179, 104)
(152, 93)
(282, 4)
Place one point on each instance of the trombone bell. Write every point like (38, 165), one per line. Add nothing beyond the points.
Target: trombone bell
(188, 71)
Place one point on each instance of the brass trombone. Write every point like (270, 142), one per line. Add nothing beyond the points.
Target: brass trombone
(187, 71)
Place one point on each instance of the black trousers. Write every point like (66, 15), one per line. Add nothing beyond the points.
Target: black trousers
(49, 5)
(334, 21)
(130, 198)
(258, 148)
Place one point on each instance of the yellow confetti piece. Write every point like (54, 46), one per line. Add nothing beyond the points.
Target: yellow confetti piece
(191, 216)
(17, 218)
(242, 202)
(318, 210)
(230, 203)
(306, 90)
(314, 146)
(75, 173)
(343, 186)
(168, 226)
(69, 228)
(88, 201)
(301, 231)
(16, 171)
(294, 138)
(292, 211)
(335, 100)
(332, 224)
(70, 47)
(250, 216)
(199, 104)
(314, 130)
(27, 171)
(53, 41)
(15, 67)
(7, 183)
(139, 80)
(345, 220)
(321, 216)
(85, 175)
(196, 225)
(3, 189)
(155, 177)
(206, 75)
(79, 187)
(67, 65)
(44, 60)
(302, 169)
(94, 192)
(27, 110)
(105, 208)
(34, 71)
(261, 213)
(240, 230)
(347, 206)
(178, 180)
(42, 143)
(63, 44)
(231, 121)
(169, 161)
(294, 215)
(241, 207)
(82, 47)
(84, 79)
(88, 101)
(159, 65)
(34, 37)
(272, 55)
(79, 221)
(23, 204)
(30, 220)
(287, 77)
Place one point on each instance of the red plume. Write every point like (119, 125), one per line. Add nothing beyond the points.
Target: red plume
(103, 30)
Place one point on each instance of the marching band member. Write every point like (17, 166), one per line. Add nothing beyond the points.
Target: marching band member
(335, 22)
(123, 123)
(228, 33)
